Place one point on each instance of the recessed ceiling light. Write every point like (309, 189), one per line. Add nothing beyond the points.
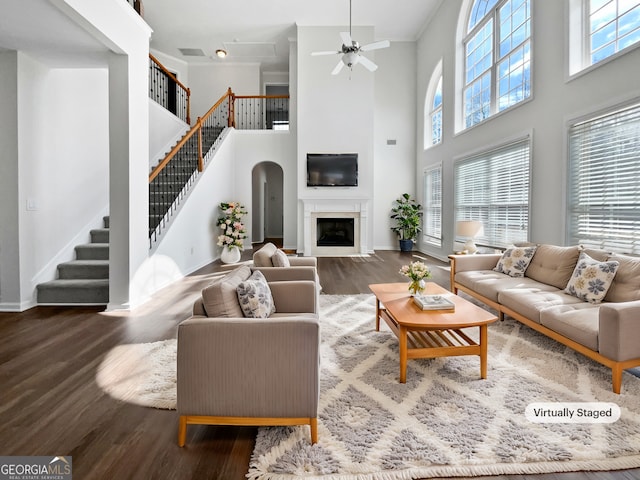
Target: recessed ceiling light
(221, 53)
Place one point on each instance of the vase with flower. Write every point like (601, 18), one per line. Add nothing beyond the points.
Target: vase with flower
(417, 273)
(233, 231)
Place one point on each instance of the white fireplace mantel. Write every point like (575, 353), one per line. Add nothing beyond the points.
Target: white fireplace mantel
(344, 207)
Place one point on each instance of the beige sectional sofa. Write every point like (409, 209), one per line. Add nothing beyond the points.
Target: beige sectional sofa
(607, 332)
(237, 370)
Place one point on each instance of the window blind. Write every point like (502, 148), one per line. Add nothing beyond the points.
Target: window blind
(494, 188)
(604, 184)
(432, 216)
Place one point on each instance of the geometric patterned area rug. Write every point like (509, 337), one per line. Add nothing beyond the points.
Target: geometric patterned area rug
(446, 421)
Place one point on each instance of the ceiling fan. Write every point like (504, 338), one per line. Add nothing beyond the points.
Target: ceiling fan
(351, 51)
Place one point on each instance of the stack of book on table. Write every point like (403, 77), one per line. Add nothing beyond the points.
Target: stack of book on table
(433, 302)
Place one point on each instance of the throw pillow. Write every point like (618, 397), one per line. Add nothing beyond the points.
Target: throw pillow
(515, 260)
(220, 299)
(280, 259)
(626, 285)
(591, 279)
(255, 297)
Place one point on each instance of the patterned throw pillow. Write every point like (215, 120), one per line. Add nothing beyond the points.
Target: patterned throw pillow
(254, 296)
(515, 260)
(280, 259)
(591, 279)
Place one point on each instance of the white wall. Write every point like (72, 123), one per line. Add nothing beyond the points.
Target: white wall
(395, 110)
(9, 165)
(210, 82)
(555, 100)
(165, 130)
(335, 114)
(64, 164)
(254, 147)
(190, 241)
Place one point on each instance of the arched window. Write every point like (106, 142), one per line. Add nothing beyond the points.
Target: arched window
(433, 109)
(600, 29)
(497, 58)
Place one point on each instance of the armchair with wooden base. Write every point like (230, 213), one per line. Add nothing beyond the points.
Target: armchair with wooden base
(234, 370)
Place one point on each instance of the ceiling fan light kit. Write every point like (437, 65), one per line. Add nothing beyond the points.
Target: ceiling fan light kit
(351, 51)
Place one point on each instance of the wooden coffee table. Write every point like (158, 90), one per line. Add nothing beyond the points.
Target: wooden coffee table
(431, 333)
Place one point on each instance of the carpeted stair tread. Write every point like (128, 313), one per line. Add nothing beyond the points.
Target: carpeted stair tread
(76, 291)
(100, 235)
(92, 251)
(84, 269)
(84, 281)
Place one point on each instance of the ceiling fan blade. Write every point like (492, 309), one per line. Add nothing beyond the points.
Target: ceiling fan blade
(366, 63)
(327, 52)
(338, 68)
(346, 38)
(375, 46)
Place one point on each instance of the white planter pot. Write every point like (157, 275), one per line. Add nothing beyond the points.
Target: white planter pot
(230, 254)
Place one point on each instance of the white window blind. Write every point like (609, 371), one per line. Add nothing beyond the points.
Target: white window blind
(604, 183)
(432, 216)
(493, 187)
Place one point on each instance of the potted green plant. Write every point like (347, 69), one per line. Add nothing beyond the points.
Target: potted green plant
(406, 213)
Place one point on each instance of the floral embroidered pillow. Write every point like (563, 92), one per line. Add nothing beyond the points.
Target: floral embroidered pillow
(515, 260)
(254, 296)
(591, 279)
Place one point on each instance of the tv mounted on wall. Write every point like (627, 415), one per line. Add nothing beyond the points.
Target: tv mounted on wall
(332, 169)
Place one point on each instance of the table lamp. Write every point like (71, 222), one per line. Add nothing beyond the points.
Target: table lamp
(469, 229)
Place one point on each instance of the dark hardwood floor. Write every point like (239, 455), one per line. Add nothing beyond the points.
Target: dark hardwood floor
(50, 403)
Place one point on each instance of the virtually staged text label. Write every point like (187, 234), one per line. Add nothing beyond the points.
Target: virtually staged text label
(572, 412)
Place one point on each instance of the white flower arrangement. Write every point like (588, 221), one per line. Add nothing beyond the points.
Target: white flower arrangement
(233, 230)
(417, 272)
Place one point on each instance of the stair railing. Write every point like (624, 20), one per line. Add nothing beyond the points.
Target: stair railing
(171, 179)
(168, 91)
(261, 112)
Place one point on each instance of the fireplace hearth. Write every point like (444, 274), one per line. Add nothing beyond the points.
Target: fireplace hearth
(345, 232)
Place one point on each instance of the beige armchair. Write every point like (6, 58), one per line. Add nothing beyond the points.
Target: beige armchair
(270, 257)
(264, 258)
(234, 370)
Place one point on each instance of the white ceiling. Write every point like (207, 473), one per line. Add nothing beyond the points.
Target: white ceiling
(42, 30)
(247, 27)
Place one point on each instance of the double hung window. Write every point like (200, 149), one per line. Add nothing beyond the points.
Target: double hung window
(493, 187)
(604, 185)
(432, 206)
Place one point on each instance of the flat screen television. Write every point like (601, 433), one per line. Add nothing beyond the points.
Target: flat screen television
(332, 169)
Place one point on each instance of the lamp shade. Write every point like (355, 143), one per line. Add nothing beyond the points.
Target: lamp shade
(469, 228)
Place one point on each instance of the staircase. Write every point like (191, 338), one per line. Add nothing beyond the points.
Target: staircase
(173, 181)
(85, 280)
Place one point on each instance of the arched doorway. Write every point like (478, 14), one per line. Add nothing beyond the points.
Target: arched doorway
(267, 203)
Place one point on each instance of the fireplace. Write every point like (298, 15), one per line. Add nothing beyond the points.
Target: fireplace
(335, 232)
(335, 227)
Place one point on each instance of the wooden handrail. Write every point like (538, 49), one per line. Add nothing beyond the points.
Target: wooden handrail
(178, 82)
(158, 168)
(197, 128)
(169, 74)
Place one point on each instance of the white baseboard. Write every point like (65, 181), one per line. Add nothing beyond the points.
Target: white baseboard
(16, 307)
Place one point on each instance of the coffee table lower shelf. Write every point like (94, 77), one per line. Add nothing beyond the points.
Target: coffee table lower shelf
(433, 343)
